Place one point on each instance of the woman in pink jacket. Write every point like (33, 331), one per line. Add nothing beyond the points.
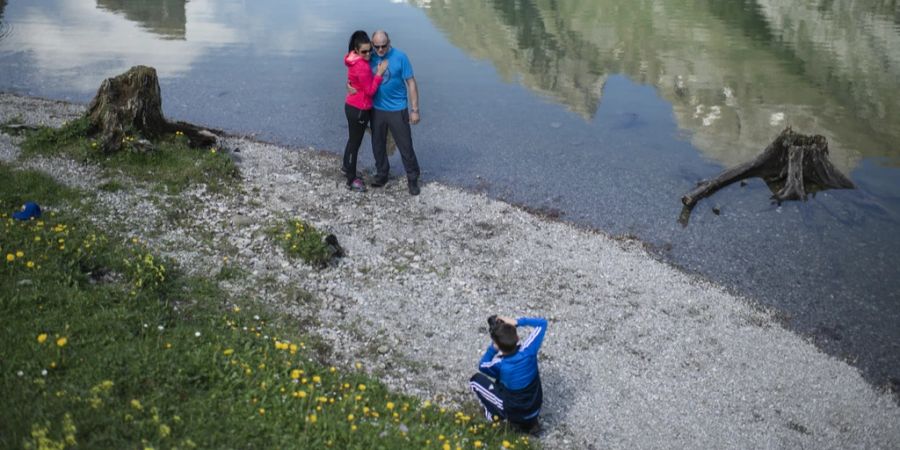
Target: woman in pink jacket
(358, 106)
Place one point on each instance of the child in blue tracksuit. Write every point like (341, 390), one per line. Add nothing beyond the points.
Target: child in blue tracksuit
(514, 393)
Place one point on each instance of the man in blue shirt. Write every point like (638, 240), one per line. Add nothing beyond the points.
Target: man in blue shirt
(396, 106)
(514, 393)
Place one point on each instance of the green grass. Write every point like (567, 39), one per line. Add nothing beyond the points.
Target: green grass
(300, 239)
(173, 164)
(106, 345)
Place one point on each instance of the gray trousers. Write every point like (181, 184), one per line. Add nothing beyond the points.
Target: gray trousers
(398, 123)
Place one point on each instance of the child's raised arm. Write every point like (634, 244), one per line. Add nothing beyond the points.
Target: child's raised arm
(486, 365)
(533, 342)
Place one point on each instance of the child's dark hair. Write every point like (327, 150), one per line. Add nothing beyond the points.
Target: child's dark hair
(359, 37)
(505, 336)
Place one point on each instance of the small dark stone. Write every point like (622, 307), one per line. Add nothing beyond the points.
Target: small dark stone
(716, 210)
(336, 250)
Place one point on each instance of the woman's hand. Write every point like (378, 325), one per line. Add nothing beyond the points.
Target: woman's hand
(382, 67)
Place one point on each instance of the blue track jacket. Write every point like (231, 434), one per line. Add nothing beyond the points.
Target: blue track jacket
(517, 373)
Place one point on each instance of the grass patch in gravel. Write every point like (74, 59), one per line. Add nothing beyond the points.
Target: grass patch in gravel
(172, 164)
(107, 345)
(300, 239)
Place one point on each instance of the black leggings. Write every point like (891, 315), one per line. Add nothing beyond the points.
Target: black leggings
(357, 120)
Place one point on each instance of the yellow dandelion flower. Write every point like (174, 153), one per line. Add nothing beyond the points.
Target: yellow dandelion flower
(352, 427)
(20, 254)
(10, 257)
(361, 387)
(136, 404)
(30, 264)
(389, 405)
(478, 444)
(332, 369)
(506, 444)
(164, 430)
(446, 446)
(228, 351)
(42, 338)
(61, 342)
(37, 239)
(350, 417)
(300, 394)
(311, 418)
(293, 348)
(317, 379)
(262, 411)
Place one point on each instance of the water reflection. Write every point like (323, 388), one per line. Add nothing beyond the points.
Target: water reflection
(77, 58)
(3, 27)
(164, 17)
(735, 72)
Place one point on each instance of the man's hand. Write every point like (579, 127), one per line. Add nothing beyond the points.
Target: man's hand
(413, 90)
(512, 322)
(350, 89)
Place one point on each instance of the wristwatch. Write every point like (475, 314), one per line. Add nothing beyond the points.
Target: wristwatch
(414, 110)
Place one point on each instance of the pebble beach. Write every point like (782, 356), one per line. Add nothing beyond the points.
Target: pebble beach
(638, 354)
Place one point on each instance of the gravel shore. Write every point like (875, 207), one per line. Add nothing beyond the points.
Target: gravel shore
(637, 355)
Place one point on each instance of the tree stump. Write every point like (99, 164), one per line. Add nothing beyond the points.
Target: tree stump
(130, 104)
(793, 165)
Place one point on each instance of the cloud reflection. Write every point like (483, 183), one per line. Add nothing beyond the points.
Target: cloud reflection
(105, 43)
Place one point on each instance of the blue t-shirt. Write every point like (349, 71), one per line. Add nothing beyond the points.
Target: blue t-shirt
(392, 95)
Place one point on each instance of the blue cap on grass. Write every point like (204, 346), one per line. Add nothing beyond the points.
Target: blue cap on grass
(30, 210)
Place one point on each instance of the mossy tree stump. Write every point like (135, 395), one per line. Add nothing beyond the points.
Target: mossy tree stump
(130, 104)
(793, 165)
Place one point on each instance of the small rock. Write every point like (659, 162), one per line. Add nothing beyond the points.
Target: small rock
(240, 220)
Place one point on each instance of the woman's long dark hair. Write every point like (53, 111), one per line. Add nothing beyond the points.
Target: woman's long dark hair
(359, 37)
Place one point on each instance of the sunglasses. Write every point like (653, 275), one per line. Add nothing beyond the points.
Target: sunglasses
(364, 52)
(379, 47)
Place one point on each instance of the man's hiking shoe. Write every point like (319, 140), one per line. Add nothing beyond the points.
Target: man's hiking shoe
(413, 187)
(378, 182)
(357, 185)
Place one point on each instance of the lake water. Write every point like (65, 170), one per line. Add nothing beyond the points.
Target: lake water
(604, 111)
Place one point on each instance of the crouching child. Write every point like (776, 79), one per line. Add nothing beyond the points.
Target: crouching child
(509, 385)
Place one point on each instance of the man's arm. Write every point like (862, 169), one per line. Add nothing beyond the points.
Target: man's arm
(412, 90)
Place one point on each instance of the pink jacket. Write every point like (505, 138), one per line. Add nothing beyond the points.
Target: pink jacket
(360, 76)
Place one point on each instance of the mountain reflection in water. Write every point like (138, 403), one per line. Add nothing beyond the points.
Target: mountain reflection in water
(735, 72)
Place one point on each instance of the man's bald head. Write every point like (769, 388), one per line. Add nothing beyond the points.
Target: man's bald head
(380, 34)
(381, 42)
